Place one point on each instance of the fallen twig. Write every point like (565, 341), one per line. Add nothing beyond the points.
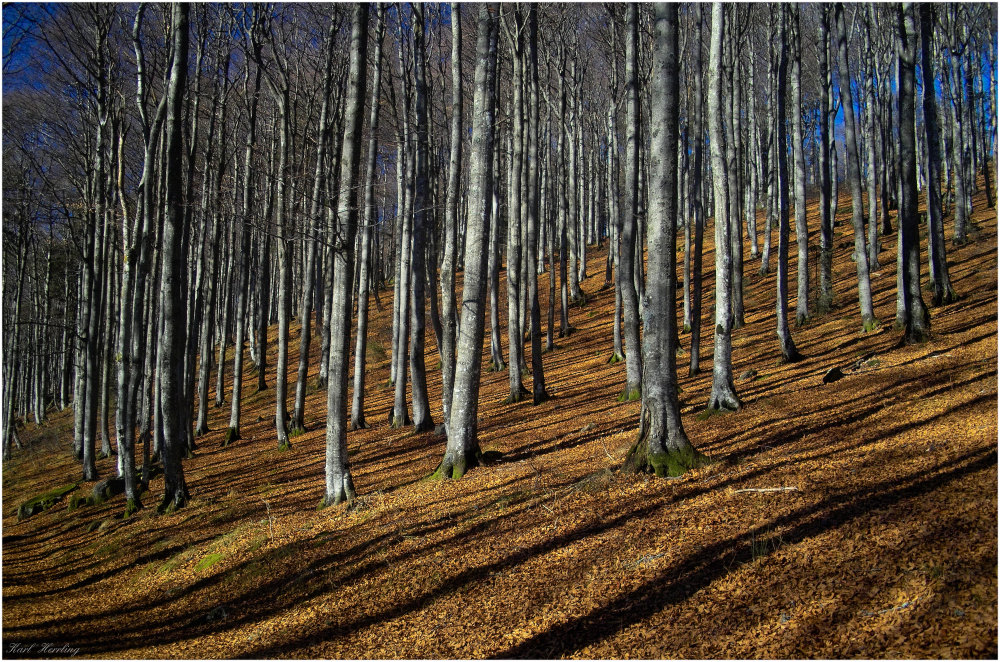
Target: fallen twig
(767, 489)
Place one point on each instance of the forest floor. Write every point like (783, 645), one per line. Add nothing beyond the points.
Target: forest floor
(882, 542)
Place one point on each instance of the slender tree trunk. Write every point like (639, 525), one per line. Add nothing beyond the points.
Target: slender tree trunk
(824, 302)
(940, 278)
(339, 484)
(361, 343)
(448, 319)
(539, 393)
(422, 421)
(630, 299)
(853, 173)
(313, 224)
(918, 323)
(515, 344)
(798, 154)
(171, 359)
(785, 343)
(697, 207)
(462, 450)
(723, 394)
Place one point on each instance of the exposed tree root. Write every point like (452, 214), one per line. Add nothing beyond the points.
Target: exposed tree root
(457, 466)
(630, 394)
(232, 434)
(664, 463)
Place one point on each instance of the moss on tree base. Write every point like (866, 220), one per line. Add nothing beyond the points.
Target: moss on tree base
(132, 506)
(615, 358)
(344, 494)
(454, 469)
(170, 504)
(630, 394)
(232, 434)
(671, 463)
(516, 397)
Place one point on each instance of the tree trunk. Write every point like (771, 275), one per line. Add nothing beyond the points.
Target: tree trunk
(515, 344)
(662, 446)
(627, 250)
(339, 485)
(539, 393)
(940, 278)
(422, 421)
(798, 154)
(723, 394)
(697, 206)
(171, 355)
(853, 173)
(448, 318)
(824, 302)
(361, 344)
(785, 343)
(462, 450)
(918, 323)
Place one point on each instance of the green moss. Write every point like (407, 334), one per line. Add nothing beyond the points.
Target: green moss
(515, 397)
(633, 394)
(44, 501)
(208, 562)
(615, 359)
(286, 446)
(131, 507)
(296, 432)
(664, 464)
(709, 413)
(872, 325)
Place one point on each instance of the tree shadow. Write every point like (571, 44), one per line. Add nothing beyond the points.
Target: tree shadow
(699, 570)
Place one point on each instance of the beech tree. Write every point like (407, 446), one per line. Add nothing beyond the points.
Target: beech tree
(171, 350)
(723, 394)
(339, 484)
(663, 446)
(462, 451)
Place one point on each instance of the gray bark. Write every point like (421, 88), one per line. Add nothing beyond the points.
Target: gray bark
(422, 421)
(361, 343)
(339, 484)
(940, 277)
(917, 322)
(627, 250)
(171, 355)
(448, 316)
(663, 446)
(723, 394)
(853, 173)
(462, 450)
(798, 155)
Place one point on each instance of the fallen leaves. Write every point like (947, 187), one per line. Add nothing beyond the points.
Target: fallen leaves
(850, 519)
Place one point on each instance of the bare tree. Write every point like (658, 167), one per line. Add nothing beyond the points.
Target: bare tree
(662, 446)
(462, 451)
(339, 484)
(171, 353)
(723, 394)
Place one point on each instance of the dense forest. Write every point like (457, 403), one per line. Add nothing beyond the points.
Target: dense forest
(504, 331)
(178, 178)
